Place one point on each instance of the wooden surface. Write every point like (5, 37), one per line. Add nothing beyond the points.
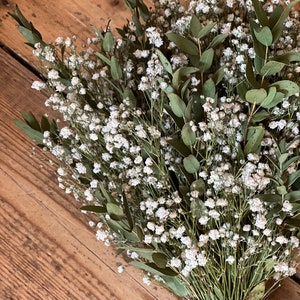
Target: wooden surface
(47, 250)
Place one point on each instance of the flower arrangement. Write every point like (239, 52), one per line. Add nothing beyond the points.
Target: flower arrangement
(181, 134)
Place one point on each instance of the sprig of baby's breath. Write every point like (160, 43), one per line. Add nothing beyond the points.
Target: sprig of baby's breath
(182, 135)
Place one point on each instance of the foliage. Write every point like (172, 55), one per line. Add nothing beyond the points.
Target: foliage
(182, 135)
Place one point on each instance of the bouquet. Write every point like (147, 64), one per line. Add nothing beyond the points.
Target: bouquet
(181, 134)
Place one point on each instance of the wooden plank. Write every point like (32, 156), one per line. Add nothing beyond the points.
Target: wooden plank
(47, 251)
(60, 18)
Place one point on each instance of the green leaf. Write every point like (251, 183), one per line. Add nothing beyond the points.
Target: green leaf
(292, 196)
(209, 88)
(260, 116)
(257, 292)
(180, 147)
(217, 40)
(166, 64)
(152, 268)
(287, 58)
(254, 138)
(260, 13)
(256, 95)
(287, 85)
(269, 102)
(35, 135)
(142, 252)
(199, 186)
(181, 73)
(176, 286)
(188, 135)
(278, 27)
(94, 208)
(184, 44)
(293, 177)
(118, 229)
(260, 49)
(206, 59)
(177, 105)
(115, 212)
(218, 76)
(195, 26)
(271, 68)
(191, 164)
(45, 124)
(31, 120)
(103, 58)
(108, 42)
(160, 259)
(179, 121)
(286, 165)
(115, 69)
(250, 74)
(275, 198)
(31, 37)
(275, 15)
(264, 35)
(206, 30)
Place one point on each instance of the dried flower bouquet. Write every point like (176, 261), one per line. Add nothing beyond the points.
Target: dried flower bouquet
(181, 133)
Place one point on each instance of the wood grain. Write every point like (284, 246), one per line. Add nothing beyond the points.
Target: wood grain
(47, 250)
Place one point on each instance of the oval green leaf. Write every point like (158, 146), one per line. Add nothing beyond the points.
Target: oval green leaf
(256, 95)
(177, 105)
(191, 164)
(264, 35)
(188, 135)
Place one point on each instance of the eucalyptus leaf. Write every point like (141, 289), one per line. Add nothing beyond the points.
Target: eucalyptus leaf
(257, 292)
(288, 57)
(45, 124)
(114, 211)
(153, 269)
(94, 208)
(108, 42)
(31, 37)
(182, 73)
(209, 88)
(188, 135)
(191, 164)
(260, 13)
(31, 120)
(278, 27)
(264, 35)
(103, 58)
(166, 64)
(271, 68)
(206, 60)
(256, 95)
(293, 177)
(160, 259)
(254, 138)
(260, 116)
(179, 146)
(184, 44)
(35, 135)
(217, 40)
(177, 104)
(199, 186)
(269, 102)
(206, 30)
(289, 86)
(218, 76)
(292, 196)
(250, 74)
(115, 69)
(195, 26)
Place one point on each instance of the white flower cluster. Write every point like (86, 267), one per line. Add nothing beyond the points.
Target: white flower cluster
(121, 145)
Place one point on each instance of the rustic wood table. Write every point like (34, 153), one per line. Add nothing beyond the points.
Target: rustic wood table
(47, 250)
